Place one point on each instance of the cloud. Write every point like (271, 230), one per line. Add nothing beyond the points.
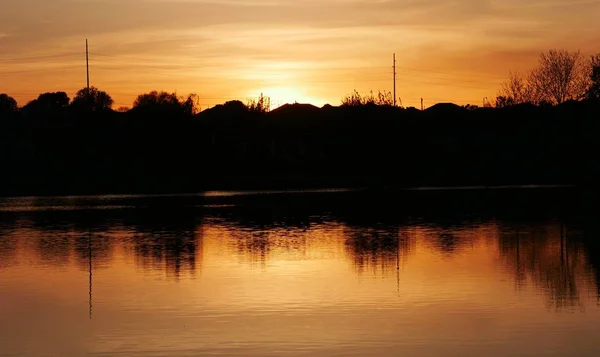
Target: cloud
(64, 18)
(229, 39)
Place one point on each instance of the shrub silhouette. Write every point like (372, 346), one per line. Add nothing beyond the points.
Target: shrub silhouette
(260, 105)
(356, 99)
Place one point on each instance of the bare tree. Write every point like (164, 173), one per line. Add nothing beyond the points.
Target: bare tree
(560, 76)
(516, 90)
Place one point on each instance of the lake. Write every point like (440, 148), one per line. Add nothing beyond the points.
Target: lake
(320, 273)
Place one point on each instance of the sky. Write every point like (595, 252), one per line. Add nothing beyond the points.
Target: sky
(309, 51)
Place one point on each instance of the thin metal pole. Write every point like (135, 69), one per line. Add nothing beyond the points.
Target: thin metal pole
(87, 65)
(394, 79)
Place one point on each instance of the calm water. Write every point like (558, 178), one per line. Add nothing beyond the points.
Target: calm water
(300, 274)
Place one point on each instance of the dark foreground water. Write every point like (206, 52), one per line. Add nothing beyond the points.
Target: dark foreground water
(462, 273)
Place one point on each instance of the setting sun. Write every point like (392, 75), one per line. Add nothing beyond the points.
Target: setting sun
(287, 95)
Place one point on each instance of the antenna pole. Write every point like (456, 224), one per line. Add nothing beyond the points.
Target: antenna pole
(87, 65)
(394, 79)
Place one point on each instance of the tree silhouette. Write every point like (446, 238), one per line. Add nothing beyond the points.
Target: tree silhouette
(93, 100)
(157, 103)
(47, 103)
(235, 106)
(504, 101)
(516, 90)
(155, 98)
(190, 105)
(54, 100)
(260, 105)
(8, 105)
(560, 76)
(594, 88)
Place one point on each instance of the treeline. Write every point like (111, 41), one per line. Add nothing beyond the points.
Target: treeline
(55, 145)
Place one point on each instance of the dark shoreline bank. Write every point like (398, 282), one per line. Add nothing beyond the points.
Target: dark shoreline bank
(68, 152)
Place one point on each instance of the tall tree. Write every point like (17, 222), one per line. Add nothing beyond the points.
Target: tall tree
(92, 100)
(594, 87)
(560, 76)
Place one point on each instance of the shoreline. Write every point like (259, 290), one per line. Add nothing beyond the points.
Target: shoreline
(233, 192)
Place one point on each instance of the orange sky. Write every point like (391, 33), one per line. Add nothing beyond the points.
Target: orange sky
(304, 50)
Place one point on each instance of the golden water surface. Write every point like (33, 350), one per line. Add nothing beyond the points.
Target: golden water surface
(108, 276)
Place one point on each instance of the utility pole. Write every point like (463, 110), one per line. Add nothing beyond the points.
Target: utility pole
(87, 66)
(394, 79)
(421, 104)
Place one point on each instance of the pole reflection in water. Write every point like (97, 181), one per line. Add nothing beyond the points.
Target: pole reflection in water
(90, 270)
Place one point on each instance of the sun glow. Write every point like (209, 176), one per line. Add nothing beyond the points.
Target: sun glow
(287, 95)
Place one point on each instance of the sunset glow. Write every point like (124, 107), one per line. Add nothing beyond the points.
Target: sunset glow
(305, 51)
